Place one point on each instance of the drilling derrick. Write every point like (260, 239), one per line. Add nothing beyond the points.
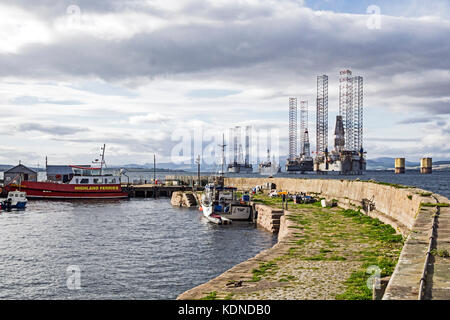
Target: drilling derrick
(322, 115)
(236, 143)
(303, 125)
(292, 128)
(247, 145)
(358, 113)
(339, 135)
(346, 107)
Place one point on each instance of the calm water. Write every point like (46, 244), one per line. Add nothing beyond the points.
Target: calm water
(133, 249)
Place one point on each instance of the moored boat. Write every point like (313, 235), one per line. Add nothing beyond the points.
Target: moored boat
(219, 205)
(76, 182)
(15, 200)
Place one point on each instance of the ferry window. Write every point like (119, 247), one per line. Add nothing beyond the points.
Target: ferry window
(76, 180)
(113, 181)
(96, 180)
(106, 180)
(84, 180)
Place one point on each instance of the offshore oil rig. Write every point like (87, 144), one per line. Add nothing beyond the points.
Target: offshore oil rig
(302, 162)
(240, 163)
(347, 156)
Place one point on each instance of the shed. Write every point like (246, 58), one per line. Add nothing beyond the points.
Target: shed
(19, 173)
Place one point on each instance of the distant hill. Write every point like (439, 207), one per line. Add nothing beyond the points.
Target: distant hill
(385, 163)
(4, 167)
(438, 163)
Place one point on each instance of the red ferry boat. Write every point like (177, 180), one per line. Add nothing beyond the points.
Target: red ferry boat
(76, 182)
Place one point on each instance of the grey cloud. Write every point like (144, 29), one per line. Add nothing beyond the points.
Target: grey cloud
(302, 43)
(263, 49)
(50, 129)
(416, 120)
(436, 107)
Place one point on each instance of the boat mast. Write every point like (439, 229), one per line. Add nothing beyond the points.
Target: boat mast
(223, 145)
(103, 159)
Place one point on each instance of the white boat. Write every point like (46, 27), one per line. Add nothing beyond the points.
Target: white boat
(15, 200)
(208, 211)
(219, 205)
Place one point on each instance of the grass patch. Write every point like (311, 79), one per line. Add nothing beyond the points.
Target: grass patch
(410, 197)
(210, 296)
(337, 258)
(356, 287)
(229, 296)
(318, 257)
(428, 204)
(426, 194)
(441, 253)
(374, 228)
(395, 185)
(262, 270)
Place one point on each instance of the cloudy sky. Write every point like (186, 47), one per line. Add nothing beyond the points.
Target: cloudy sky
(141, 75)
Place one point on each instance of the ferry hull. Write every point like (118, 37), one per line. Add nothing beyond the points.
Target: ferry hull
(50, 190)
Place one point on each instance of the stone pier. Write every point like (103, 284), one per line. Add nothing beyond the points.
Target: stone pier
(409, 210)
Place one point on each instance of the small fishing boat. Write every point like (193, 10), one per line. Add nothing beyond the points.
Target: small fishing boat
(209, 207)
(15, 200)
(219, 204)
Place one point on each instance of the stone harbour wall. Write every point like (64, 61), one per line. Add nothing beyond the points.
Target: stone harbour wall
(268, 217)
(395, 206)
(399, 206)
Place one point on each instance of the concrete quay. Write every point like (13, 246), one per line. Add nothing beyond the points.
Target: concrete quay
(411, 211)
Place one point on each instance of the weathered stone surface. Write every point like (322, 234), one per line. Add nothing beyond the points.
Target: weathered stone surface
(268, 217)
(399, 207)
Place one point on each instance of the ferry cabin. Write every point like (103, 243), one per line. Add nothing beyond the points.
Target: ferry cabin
(79, 175)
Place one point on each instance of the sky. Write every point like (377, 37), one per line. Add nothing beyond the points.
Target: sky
(146, 77)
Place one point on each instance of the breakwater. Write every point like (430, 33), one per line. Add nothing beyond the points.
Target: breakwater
(399, 206)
